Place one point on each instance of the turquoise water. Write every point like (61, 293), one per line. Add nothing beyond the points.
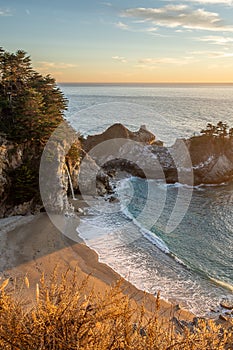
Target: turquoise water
(192, 264)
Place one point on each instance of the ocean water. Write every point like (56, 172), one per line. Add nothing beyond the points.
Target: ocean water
(192, 262)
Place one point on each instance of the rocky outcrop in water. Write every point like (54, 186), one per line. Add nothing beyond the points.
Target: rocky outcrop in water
(199, 160)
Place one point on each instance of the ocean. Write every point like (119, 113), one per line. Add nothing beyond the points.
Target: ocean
(191, 264)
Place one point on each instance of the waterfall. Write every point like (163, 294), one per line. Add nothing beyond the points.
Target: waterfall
(70, 182)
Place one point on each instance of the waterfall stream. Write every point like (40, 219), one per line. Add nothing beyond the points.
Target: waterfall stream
(70, 182)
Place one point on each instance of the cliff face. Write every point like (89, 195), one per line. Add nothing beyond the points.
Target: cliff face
(212, 159)
(34, 179)
(11, 158)
(19, 177)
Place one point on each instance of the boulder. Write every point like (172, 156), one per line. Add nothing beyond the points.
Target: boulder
(227, 304)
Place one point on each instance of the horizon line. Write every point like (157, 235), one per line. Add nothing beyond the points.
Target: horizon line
(145, 83)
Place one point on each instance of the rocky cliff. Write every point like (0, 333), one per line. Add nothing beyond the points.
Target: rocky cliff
(33, 178)
(212, 158)
(17, 191)
(19, 176)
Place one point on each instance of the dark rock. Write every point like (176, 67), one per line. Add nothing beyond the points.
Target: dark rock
(226, 305)
(124, 165)
(103, 183)
(113, 200)
(179, 327)
(142, 332)
(157, 143)
(223, 318)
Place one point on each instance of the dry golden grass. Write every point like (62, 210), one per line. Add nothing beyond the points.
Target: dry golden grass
(65, 314)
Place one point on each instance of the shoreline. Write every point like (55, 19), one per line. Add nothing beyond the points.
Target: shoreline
(37, 247)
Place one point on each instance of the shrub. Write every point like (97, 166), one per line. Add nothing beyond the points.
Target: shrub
(66, 314)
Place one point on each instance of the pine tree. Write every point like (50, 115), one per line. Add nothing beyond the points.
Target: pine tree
(31, 108)
(31, 105)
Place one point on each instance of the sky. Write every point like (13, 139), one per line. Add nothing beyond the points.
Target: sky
(123, 40)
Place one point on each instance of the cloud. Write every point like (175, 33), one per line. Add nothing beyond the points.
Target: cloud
(166, 60)
(120, 59)
(217, 40)
(151, 29)
(179, 16)
(122, 25)
(5, 13)
(212, 54)
(108, 4)
(27, 12)
(55, 65)
(212, 2)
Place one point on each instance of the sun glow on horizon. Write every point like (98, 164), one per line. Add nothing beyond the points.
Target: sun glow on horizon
(92, 41)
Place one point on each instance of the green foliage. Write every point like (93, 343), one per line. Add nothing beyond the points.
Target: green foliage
(221, 130)
(24, 187)
(31, 105)
(73, 154)
(31, 108)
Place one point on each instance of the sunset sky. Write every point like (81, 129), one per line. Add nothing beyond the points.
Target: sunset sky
(123, 40)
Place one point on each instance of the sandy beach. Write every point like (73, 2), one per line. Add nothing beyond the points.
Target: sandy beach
(36, 246)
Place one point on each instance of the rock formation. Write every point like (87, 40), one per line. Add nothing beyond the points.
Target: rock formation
(119, 131)
(212, 159)
(198, 160)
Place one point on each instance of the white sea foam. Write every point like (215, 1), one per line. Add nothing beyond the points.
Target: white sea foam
(174, 286)
(222, 283)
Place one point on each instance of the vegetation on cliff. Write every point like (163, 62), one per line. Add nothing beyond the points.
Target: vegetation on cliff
(220, 130)
(31, 105)
(31, 108)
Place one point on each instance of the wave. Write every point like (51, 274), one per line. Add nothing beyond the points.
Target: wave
(159, 243)
(201, 186)
(178, 185)
(154, 239)
(163, 184)
(222, 283)
(214, 185)
(149, 235)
